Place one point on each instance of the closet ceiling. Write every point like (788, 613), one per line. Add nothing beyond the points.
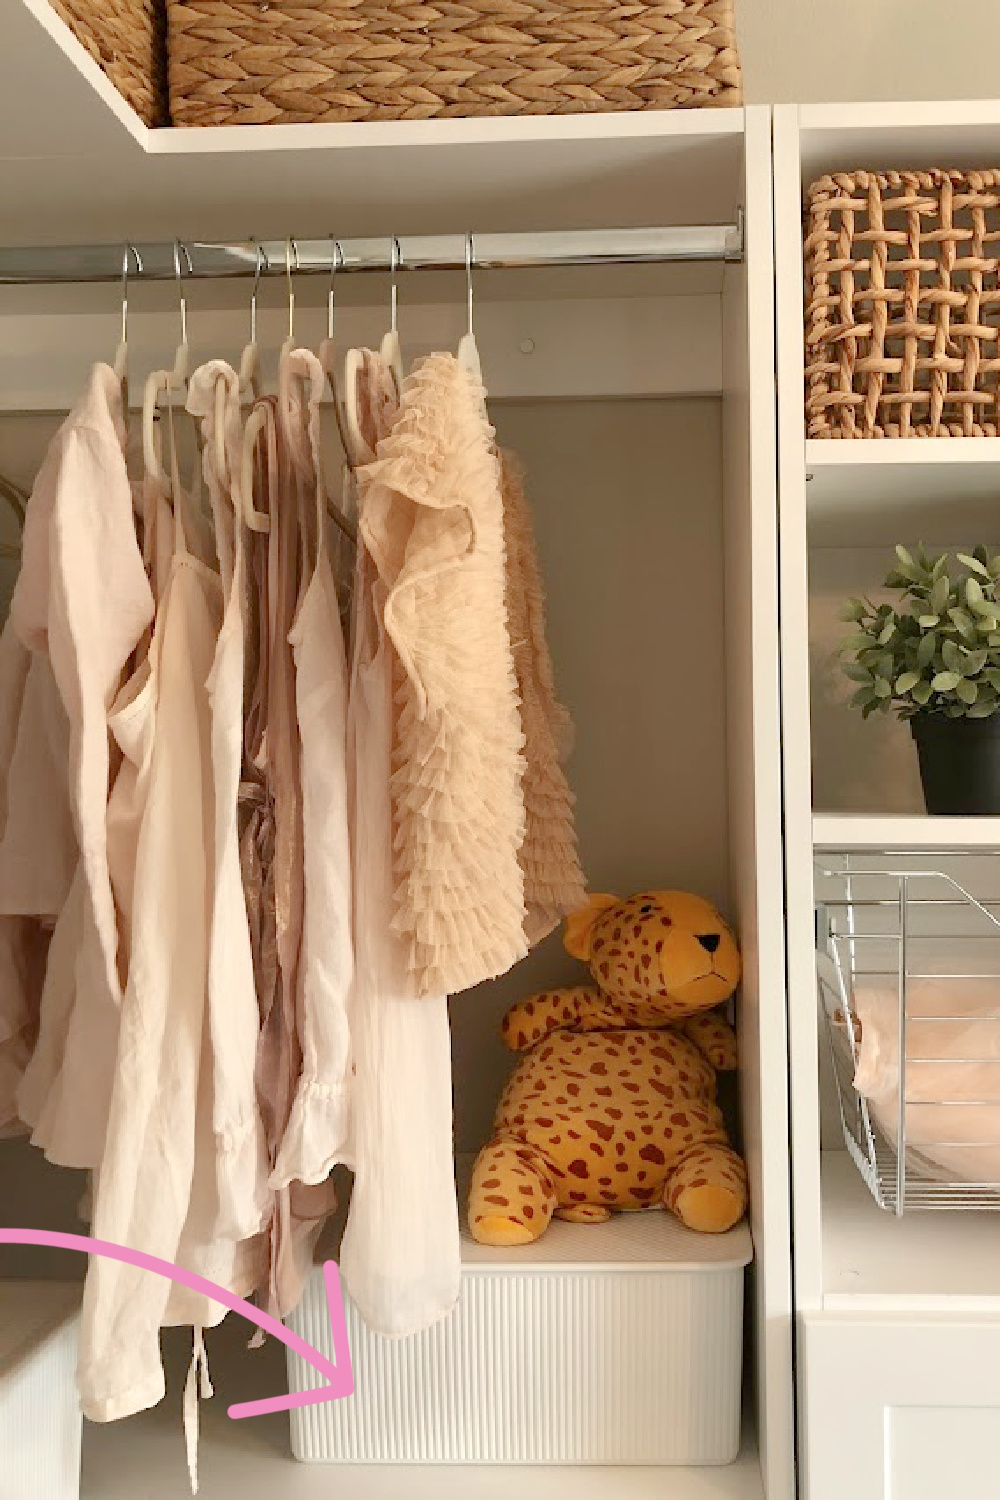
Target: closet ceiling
(92, 163)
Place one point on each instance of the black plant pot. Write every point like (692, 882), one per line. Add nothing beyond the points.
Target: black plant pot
(959, 764)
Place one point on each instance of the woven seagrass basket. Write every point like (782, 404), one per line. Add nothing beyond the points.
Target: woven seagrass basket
(903, 305)
(248, 62)
(128, 38)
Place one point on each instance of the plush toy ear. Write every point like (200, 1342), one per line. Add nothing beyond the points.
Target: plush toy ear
(580, 925)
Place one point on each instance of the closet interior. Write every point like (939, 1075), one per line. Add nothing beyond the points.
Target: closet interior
(892, 911)
(639, 399)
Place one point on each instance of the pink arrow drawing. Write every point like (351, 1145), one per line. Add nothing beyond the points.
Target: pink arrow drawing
(339, 1375)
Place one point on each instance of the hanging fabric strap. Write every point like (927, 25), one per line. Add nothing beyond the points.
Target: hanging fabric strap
(198, 1385)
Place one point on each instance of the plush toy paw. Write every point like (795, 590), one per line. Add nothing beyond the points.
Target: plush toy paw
(708, 1191)
(584, 1213)
(494, 1229)
(711, 1209)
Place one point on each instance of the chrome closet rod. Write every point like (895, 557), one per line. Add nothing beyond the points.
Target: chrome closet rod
(50, 264)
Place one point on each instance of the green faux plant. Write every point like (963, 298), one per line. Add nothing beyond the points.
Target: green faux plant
(939, 651)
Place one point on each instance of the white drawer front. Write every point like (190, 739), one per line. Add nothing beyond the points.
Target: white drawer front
(899, 1408)
(935, 1451)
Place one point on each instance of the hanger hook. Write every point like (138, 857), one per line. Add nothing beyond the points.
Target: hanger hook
(394, 290)
(260, 266)
(336, 260)
(291, 258)
(179, 275)
(125, 255)
(470, 255)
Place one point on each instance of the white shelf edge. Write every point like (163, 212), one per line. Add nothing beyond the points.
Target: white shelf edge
(651, 125)
(896, 115)
(863, 831)
(837, 453)
(891, 1258)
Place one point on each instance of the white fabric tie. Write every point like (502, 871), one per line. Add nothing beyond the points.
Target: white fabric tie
(197, 1370)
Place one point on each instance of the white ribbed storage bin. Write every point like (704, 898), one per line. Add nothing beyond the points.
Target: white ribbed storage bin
(608, 1343)
(40, 1421)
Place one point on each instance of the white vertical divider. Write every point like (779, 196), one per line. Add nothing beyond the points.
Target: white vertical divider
(796, 734)
(754, 754)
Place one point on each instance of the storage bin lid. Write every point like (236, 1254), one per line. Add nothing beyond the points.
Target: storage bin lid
(30, 1311)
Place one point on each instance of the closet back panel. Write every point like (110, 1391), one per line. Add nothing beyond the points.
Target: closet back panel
(627, 501)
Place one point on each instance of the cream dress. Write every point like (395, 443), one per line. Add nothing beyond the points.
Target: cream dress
(400, 1254)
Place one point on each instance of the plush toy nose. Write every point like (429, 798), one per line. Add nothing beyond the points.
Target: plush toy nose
(709, 941)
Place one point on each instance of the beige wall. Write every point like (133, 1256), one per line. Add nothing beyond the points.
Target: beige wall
(817, 51)
(627, 504)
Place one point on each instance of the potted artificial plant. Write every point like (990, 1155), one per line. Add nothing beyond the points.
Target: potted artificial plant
(934, 660)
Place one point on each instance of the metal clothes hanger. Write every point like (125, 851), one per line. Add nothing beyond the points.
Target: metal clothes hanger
(120, 365)
(256, 520)
(250, 358)
(257, 420)
(468, 349)
(291, 252)
(355, 444)
(328, 360)
(169, 383)
(328, 347)
(391, 351)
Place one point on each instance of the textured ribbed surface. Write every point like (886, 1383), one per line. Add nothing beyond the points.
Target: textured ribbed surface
(241, 62)
(560, 1366)
(40, 1421)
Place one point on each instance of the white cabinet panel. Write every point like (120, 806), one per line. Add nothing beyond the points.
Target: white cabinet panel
(900, 1408)
(935, 1451)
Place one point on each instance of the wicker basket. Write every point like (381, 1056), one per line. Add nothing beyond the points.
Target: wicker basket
(245, 62)
(903, 305)
(128, 38)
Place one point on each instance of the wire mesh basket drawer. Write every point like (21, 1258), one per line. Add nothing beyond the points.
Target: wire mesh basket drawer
(237, 62)
(908, 967)
(902, 304)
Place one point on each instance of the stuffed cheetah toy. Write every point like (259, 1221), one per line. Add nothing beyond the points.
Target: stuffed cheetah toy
(613, 1103)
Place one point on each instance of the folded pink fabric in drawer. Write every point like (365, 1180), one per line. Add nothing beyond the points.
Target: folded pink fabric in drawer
(952, 1082)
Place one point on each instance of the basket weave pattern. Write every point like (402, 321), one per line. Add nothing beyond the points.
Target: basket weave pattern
(246, 62)
(903, 305)
(128, 39)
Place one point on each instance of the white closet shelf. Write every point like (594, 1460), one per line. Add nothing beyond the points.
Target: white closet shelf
(145, 1457)
(954, 133)
(880, 491)
(863, 831)
(925, 1262)
(91, 163)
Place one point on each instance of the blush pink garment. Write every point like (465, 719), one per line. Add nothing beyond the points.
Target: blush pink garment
(143, 1191)
(316, 1136)
(38, 849)
(23, 938)
(272, 840)
(234, 1017)
(432, 520)
(83, 598)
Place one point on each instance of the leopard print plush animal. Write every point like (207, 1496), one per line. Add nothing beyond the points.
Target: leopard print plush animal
(613, 1105)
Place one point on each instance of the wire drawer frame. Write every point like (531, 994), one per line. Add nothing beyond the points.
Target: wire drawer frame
(874, 920)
